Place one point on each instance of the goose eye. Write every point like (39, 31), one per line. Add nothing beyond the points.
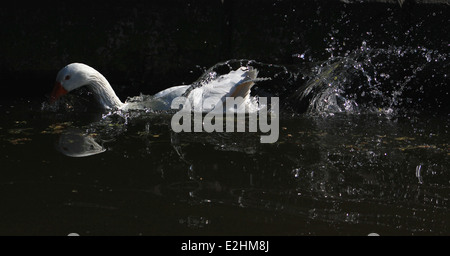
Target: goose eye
(67, 77)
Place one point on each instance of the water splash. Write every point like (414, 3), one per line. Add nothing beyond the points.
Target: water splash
(386, 81)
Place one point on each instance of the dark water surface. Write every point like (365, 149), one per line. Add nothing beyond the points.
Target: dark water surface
(342, 175)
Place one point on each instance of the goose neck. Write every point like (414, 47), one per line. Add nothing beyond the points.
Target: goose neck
(104, 92)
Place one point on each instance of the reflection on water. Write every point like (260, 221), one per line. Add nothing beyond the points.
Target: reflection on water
(74, 143)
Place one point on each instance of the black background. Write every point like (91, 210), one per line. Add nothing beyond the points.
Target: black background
(146, 46)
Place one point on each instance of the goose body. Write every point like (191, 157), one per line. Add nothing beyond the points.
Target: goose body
(237, 83)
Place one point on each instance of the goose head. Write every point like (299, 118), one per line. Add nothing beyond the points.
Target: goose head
(69, 78)
(76, 75)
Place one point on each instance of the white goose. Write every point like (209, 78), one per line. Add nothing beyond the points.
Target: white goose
(237, 83)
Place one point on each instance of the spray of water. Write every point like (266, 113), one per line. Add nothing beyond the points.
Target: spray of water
(387, 81)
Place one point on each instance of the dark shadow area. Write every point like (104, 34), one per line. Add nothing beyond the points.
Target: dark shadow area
(146, 46)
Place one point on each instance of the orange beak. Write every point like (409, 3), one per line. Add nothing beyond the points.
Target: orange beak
(57, 92)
